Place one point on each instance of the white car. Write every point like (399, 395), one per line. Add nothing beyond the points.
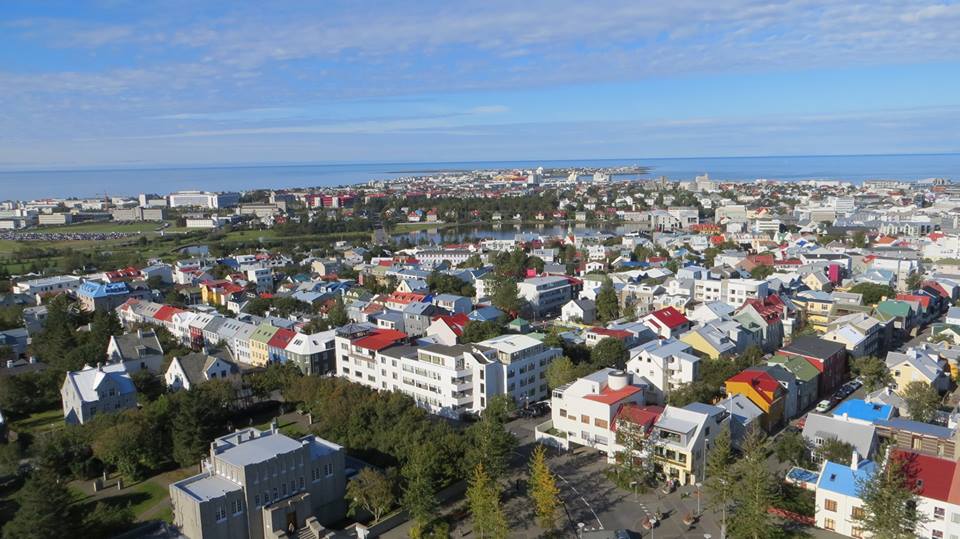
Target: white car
(823, 406)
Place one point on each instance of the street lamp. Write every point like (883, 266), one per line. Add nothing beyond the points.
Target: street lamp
(698, 498)
(633, 485)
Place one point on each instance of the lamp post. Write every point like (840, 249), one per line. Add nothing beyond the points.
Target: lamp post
(633, 485)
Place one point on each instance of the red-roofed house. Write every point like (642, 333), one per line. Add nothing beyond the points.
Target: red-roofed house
(595, 335)
(763, 390)
(667, 322)
(584, 410)
(448, 329)
(276, 346)
(769, 313)
(937, 484)
(398, 300)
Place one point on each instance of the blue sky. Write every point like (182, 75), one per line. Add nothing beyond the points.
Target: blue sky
(188, 82)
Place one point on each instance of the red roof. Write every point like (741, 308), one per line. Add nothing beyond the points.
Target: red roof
(770, 307)
(612, 396)
(759, 380)
(933, 475)
(940, 290)
(923, 300)
(615, 333)
(379, 339)
(166, 313)
(456, 322)
(763, 260)
(281, 338)
(645, 416)
(405, 297)
(670, 317)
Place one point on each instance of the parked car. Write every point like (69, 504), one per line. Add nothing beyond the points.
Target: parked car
(824, 405)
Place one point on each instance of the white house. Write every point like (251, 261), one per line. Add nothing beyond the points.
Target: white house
(663, 365)
(582, 310)
(545, 294)
(96, 390)
(191, 370)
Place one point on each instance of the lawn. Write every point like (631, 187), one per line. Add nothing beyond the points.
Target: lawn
(40, 422)
(108, 226)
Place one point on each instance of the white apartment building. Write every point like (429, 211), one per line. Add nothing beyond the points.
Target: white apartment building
(732, 291)
(203, 199)
(446, 380)
(663, 365)
(838, 503)
(683, 436)
(584, 411)
(49, 285)
(545, 294)
(262, 277)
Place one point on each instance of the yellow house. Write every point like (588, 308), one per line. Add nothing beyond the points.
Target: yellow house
(710, 341)
(916, 366)
(816, 307)
(259, 344)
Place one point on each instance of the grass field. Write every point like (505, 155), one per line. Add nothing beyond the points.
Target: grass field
(101, 227)
(40, 422)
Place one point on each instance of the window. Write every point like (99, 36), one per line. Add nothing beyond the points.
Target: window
(328, 469)
(939, 513)
(237, 507)
(955, 518)
(829, 524)
(276, 494)
(916, 443)
(301, 483)
(857, 513)
(563, 413)
(283, 489)
(830, 505)
(856, 533)
(221, 514)
(602, 423)
(937, 534)
(585, 419)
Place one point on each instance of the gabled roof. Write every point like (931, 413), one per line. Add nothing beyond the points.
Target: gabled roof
(456, 322)
(932, 476)
(670, 317)
(760, 380)
(844, 479)
(924, 300)
(166, 312)
(860, 435)
(813, 347)
(281, 338)
(894, 308)
(130, 344)
(611, 396)
(800, 367)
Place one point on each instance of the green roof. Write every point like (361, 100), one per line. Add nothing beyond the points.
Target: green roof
(800, 367)
(893, 307)
(518, 322)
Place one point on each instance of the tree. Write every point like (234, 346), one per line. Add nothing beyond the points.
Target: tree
(419, 498)
(562, 370)
(860, 239)
(914, 280)
(609, 352)
(371, 491)
(890, 499)
(922, 401)
(761, 272)
(835, 450)
(791, 447)
(505, 295)
(755, 490)
(337, 315)
(473, 261)
(490, 443)
(608, 306)
(636, 467)
(543, 489)
(873, 293)
(149, 386)
(483, 497)
(44, 509)
(476, 331)
(721, 481)
(197, 421)
(873, 371)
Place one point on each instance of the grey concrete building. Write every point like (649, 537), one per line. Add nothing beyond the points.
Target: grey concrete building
(261, 484)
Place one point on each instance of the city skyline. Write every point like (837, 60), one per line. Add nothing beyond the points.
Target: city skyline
(118, 84)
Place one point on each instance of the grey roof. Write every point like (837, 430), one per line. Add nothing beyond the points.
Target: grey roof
(129, 343)
(917, 427)
(206, 486)
(809, 345)
(195, 364)
(263, 446)
(921, 362)
(860, 435)
(741, 408)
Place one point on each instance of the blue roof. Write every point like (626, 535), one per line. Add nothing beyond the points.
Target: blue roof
(863, 410)
(101, 290)
(842, 479)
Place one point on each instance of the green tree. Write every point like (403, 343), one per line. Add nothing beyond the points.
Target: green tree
(543, 489)
(370, 491)
(609, 352)
(761, 272)
(44, 509)
(890, 500)
(721, 481)
(835, 450)
(106, 520)
(562, 370)
(490, 443)
(419, 497)
(922, 401)
(473, 261)
(635, 466)
(860, 239)
(476, 331)
(791, 447)
(608, 306)
(755, 490)
(505, 295)
(337, 315)
(198, 419)
(483, 496)
(873, 293)
(873, 371)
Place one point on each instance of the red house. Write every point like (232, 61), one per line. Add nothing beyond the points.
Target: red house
(830, 358)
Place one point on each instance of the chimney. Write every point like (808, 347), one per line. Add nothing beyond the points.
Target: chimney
(273, 426)
(854, 460)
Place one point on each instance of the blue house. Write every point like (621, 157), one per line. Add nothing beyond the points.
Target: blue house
(864, 411)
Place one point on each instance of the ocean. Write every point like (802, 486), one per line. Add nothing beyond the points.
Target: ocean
(30, 184)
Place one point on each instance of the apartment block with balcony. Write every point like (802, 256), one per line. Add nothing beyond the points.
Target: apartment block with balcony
(663, 366)
(545, 295)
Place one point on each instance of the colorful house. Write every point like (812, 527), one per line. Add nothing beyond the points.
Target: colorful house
(260, 344)
(763, 390)
(830, 358)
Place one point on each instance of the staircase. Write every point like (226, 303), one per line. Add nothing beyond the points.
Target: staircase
(306, 533)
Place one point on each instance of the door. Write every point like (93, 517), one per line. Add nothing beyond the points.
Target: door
(291, 522)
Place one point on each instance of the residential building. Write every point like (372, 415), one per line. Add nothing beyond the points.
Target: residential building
(807, 377)
(838, 504)
(819, 428)
(663, 365)
(261, 485)
(138, 350)
(917, 365)
(709, 341)
(732, 291)
(313, 354)
(192, 370)
(545, 295)
(667, 322)
(96, 390)
(48, 285)
(682, 437)
(829, 358)
(763, 390)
